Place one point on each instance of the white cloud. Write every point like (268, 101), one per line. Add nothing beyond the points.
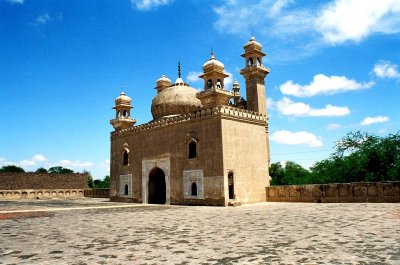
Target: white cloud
(354, 20)
(290, 108)
(38, 158)
(228, 81)
(384, 69)
(322, 84)
(296, 138)
(271, 103)
(333, 126)
(43, 19)
(2, 159)
(149, 4)
(16, 1)
(372, 120)
(107, 161)
(76, 163)
(193, 77)
(306, 29)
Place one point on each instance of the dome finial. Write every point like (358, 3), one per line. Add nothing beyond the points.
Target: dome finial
(212, 55)
(179, 69)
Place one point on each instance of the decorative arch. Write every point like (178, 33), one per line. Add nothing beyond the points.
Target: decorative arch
(250, 62)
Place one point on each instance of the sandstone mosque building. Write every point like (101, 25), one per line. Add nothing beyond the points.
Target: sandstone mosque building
(208, 147)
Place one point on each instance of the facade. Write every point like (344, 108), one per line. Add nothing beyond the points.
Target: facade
(208, 147)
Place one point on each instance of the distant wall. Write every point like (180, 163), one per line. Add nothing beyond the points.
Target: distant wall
(34, 181)
(343, 192)
(40, 194)
(97, 193)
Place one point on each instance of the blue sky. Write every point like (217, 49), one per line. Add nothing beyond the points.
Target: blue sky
(334, 69)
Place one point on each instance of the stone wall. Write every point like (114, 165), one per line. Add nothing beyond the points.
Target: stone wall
(97, 193)
(40, 194)
(36, 181)
(339, 193)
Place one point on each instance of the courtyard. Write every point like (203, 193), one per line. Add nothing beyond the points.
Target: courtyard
(95, 231)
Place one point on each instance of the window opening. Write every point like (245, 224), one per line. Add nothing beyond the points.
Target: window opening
(209, 84)
(126, 158)
(192, 150)
(231, 186)
(126, 191)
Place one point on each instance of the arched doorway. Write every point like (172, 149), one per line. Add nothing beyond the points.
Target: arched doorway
(157, 187)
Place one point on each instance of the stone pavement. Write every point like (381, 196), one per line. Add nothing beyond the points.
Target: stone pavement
(94, 231)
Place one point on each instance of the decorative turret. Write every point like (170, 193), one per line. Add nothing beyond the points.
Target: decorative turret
(236, 93)
(254, 74)
(122, 108)
(162, 83)
(214, 89)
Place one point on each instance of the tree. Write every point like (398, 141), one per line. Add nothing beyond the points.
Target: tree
(41, 170)
(361, 156)
(11, 168)
(59, 170)
(89, 179)
(289, 174)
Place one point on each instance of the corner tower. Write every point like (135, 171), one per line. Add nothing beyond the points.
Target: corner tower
(254, 73)
(122, 108)
(214, 92)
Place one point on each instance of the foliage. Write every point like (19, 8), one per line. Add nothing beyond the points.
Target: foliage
(11, 168)
(359, 156)
(41, 170)
(59, 170)
(102, 184)
(289, 174)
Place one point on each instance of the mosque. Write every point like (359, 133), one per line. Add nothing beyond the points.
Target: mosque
(203, 147)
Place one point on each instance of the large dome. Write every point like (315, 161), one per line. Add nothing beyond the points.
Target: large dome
(180, 98)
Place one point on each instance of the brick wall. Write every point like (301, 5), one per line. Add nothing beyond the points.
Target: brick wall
(97, 193)
(343, 192)
(33, 181)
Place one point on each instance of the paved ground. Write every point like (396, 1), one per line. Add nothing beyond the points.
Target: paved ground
(93, 231)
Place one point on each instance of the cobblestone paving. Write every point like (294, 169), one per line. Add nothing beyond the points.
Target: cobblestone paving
(266, 233)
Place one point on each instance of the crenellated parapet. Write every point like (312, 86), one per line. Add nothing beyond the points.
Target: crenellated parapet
(228, 112)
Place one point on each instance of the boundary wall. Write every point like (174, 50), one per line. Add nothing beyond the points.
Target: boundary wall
(336, 193)
(16, 185)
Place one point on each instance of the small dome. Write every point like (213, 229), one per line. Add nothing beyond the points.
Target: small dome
(253, 41)
(212, 62)
(177, 99)
(122, 99)
(163, 78)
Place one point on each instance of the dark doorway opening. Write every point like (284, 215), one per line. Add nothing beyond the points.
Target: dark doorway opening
(157, 187)
(231, 186)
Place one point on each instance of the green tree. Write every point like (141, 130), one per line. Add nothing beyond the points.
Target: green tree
(289, 174)
(41, 170)
(89, 179)
(361, 156)
(59, 170)
(106, 182)
(11, 168)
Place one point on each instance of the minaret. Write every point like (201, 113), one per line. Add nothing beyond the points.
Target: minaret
(122, 108)
(255, 73)
(214, 93)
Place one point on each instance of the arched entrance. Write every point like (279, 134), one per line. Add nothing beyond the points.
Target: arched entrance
(157, 187)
